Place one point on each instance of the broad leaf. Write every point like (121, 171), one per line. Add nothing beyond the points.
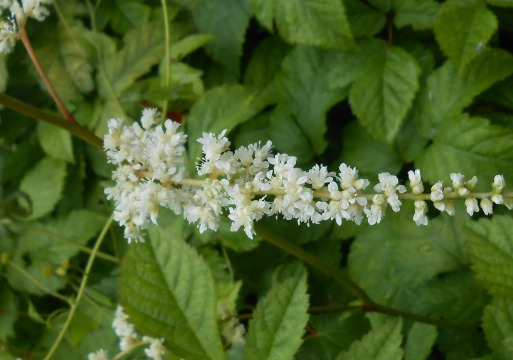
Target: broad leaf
(227, 20)
(419, 14)
(364, 19)
(498, 328)
(189, 44)
(220, 108)
(383, 94)
(43, 184)
(279, 320)
(303, 87)
(55, 141)
(309, 22)
(382, 343)
(491, 254)
(419, 342)
(168, 292)
(447, 93)
(470, 146)
(463, 29)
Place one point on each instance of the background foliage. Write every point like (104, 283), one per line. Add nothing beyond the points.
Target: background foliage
(382, 85)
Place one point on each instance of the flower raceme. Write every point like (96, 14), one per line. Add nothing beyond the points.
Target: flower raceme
(251, 182)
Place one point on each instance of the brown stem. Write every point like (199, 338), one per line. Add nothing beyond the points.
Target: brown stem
(53, 93)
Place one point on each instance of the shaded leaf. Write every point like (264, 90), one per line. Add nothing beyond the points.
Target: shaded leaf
(419, 342)
(498, 328)
(419, 14)
(55, 141)
(309, 22)
(363, 19)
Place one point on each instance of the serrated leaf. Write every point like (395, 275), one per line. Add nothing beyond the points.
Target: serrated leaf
(463, 29)
(471, 146)
(419, 342)
(419, 14)
(383, 343)
(367, 155)
(333, 334)
(279, 320)
(44, 184)
(41, 249)
(308, 22)
(55, 141)
(220, 108)
(383, 94)
(393, 271)
(227, 20)
(364, 19)
(143, 48)
(491, 254)
(168, 292)
(447, 93)
(498, 328)
(303, 87)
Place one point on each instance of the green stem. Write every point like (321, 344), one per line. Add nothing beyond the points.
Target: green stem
(80, 293)
(168, 54)
(49, 86)
(341, 278)
(33, 112)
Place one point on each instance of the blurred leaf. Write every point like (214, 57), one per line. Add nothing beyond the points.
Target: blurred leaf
(44, 184)
(498, 328)
(55, 141)
(4, 74)
(309, 22)
(364, 19)
(279, 320)
(471, 146)
(382, 95)
(419, 14)
(189, 44)
(491, 254)
(447, 93)
(463, 29)
(8, 312)
(168, 292)
(130, 14)
(303, 87)
(227, 20)
(383, 343)
(419, 342)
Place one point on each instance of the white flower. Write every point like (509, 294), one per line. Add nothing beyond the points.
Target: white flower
(472, 206)
(437, 192)
(388, 184)
(376, 211)
(319, 176)
(156, 349)
(487, 206)
(349, 178)
(421, 210)
(123, 329)
(8, 37)
(416, 184)
(498, 185)
(99, 355)
(148, 118)
(463, 188)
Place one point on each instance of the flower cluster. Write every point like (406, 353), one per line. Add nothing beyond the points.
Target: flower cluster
(19, 12)
(129, 339)
(251, 182)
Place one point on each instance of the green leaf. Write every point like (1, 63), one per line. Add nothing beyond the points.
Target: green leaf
(419, 14)
(143, 48)
(44, 184)
(364, 20)
(41, 249)
(227, 20)
(470, 146)
(366, 154)
(308, 22)
(463, 29)
(279, 320)
(9, 309)
(383, 94)
(491, 254)
(183, 47)
(505, 3)
(382, 343)
(220, 108)
(55, 141)
(421, 339)
(129, 14)
(447, 93)
(4, 74)
(303, 86)
(168, 292)
(498, 328)
(333, 334)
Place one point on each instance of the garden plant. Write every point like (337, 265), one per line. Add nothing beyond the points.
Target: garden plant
(256, 179)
